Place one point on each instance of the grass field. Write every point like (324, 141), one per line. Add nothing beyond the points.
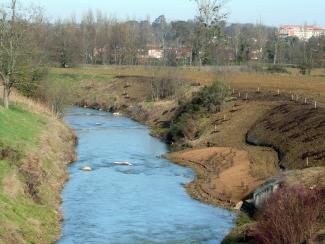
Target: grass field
(312, 86)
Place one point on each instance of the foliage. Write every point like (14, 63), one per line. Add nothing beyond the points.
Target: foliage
(30, 80)
(58, 93)
(292, 215)
(208, 28)
(187, 120)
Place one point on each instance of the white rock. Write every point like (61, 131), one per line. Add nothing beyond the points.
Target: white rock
(87, 168)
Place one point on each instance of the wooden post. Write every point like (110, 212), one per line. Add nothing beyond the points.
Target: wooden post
(246, 96)
(233, 91)
(258, 90)
(307, 162)
(292, 97)
(305, 100)
(238, 94)
(315, 105)
(278, 92)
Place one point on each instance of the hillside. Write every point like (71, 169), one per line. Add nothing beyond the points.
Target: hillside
(34, 149)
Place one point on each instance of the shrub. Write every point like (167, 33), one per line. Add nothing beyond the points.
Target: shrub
(29, 81)
(305, 69)
(276, 69)
(187, 120)
(292, 215)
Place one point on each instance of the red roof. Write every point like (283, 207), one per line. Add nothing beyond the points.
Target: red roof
(308, 27)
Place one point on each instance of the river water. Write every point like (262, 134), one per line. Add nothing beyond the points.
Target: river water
(143, 203)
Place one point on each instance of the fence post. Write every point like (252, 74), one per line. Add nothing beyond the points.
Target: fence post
(315, 105)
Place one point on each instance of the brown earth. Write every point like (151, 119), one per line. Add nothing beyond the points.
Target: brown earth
(223, 174)
(297, 130)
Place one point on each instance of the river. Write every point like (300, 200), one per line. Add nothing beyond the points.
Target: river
(143, 203)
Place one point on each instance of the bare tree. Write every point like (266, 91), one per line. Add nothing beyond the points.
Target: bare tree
(10, 44)
(208, 26)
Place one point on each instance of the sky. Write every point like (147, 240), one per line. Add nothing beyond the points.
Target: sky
(269, 12)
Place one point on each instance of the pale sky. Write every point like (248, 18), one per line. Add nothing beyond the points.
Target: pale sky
(270, 12)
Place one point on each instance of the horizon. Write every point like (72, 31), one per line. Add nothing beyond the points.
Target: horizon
(248, 12)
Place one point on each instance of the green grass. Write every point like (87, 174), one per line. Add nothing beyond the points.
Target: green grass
(58, 75)
(242, 221)
(31, 219)
(20, 129)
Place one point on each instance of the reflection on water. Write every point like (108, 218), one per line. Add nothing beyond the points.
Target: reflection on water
(143, 203)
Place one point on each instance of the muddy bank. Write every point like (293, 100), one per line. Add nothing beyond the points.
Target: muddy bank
(223, 176)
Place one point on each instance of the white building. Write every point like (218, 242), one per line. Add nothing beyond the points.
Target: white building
(303, 32)
(156, 53)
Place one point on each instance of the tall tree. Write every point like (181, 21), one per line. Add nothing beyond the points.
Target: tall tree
(209, 21)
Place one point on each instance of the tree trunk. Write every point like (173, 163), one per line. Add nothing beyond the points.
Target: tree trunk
(275, 54)
(6, 92)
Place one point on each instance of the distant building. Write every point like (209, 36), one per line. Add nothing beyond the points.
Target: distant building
(156, 53)
(256, 55)
(303, 32)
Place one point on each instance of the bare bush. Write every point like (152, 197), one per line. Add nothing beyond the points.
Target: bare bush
(292, 215)
(164, 83)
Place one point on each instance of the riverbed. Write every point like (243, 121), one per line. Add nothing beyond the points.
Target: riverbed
(142, 203)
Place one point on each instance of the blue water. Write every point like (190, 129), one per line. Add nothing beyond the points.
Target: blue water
(143, 203)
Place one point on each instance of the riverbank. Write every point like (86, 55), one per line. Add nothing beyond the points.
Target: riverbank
(35, 148)
(218, 142)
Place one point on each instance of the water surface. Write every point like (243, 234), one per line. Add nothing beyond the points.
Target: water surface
(143, 203)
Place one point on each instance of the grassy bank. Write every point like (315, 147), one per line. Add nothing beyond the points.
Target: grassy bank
(34, 150)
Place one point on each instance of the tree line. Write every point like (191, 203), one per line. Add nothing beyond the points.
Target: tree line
(28, 41)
